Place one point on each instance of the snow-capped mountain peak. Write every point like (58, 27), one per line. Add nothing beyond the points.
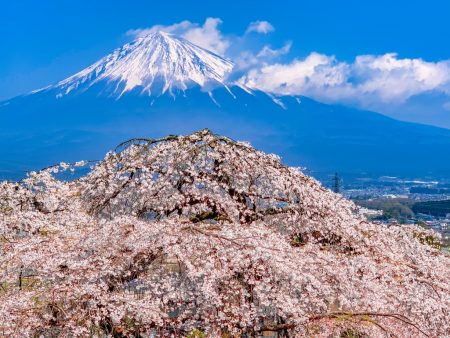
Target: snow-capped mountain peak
(153, 64)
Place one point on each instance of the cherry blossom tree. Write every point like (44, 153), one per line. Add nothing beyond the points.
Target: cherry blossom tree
(201, 236)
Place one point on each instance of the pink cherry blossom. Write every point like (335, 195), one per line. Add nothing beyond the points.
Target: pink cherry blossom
(199, 234)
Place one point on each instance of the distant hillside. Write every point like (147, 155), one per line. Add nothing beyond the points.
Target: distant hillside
(427, 190)
(435, 208)
(396, 208)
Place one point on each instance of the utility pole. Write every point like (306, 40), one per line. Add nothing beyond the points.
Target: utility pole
(336, 183)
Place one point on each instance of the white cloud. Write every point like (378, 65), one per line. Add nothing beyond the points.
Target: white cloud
(317, 70)
(247, 59)
(176, 28)
(394, 79)
(267, 51)
(207, 35)
(262, 27)
(368, 80)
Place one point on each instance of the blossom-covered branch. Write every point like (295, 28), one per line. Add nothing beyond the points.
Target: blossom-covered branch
(202, 234)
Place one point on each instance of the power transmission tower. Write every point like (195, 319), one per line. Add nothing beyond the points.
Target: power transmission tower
(336, 183)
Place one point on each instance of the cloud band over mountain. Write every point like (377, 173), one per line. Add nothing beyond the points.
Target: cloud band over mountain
(381, 82)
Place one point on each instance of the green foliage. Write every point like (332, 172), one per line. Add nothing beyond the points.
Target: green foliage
(5, 286)
(349, 333)
(429, 240)
(207, 215)
(298, 240)
(397, 208)
(435, 208)
(36, 300)
(95, 331)
(196, 333)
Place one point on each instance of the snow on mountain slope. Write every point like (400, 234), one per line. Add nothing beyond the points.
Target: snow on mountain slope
(154, 64)
(161, 84)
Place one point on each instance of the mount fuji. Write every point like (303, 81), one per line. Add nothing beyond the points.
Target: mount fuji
(154, 65)
(161, 84)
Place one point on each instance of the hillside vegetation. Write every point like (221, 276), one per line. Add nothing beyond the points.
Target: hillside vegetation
(435, 208)
(202, 236)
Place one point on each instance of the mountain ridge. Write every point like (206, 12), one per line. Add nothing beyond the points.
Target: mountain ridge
(158, 56)
(50, 125)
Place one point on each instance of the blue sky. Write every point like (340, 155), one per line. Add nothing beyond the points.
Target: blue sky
(389, 56)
